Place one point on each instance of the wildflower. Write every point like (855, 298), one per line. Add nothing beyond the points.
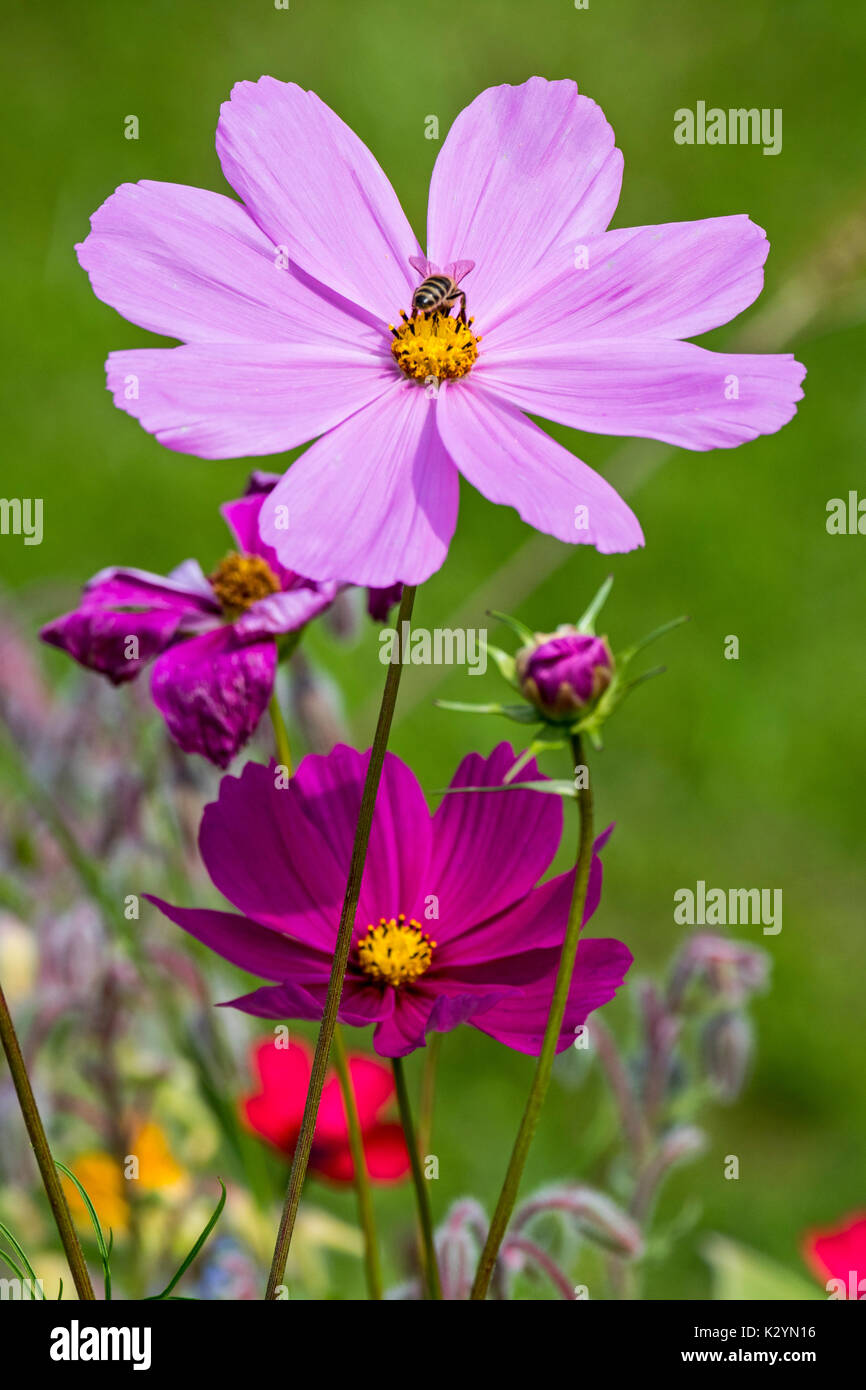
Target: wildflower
(276, 1109)
(295, 325)
(212, 639)
(450, 926)
(105, 1182)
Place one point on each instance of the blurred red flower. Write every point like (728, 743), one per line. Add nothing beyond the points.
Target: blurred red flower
(840, 1255)
(275, 1112)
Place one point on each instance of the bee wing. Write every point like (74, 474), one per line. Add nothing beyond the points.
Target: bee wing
(457, 269)
(423, 266)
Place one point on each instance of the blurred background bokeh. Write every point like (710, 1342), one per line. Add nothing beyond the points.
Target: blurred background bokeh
(744, 773)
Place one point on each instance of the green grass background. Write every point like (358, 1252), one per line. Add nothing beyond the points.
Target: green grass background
(743, 773)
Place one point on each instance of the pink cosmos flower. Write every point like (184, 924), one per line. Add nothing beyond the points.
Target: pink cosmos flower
(289, 306)
(275, 1112)
(213, 638)
(840, 1255)
(450, 926)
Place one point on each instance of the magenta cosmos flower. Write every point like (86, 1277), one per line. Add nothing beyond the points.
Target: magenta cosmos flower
(450, 926)
(291, 307)
(214, 637)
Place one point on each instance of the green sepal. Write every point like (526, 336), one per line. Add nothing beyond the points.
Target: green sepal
(521, 714)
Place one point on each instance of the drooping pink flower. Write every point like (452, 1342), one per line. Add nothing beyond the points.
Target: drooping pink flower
(285, 304)
(276, 1109)
(839, 1255)
(212, 639)
(450, 927)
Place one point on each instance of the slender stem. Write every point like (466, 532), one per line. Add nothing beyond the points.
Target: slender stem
(359, 1163)
(431, 1264)
(341, 955)
(281, 734)
(39, 1141)
(428, 1093)
(544, 1066)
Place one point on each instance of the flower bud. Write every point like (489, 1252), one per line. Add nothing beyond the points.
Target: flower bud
(564, 671)
(727, 1050)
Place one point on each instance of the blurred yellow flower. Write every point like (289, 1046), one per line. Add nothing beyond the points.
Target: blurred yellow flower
(150, 1163)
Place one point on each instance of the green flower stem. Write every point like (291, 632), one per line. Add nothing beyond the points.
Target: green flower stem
(39, 1141)
(341, 956)
(431, 1264)
(544, 1066)
(281, 734)
(359, 1162)
(428, 1093)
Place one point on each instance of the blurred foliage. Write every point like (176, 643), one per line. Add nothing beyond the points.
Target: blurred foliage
(744, 772)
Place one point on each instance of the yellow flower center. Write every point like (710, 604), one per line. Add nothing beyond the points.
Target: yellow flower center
(396, 951)
(239, 581)
(434, 345)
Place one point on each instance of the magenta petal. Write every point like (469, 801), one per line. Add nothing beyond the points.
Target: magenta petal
(121, 605)
(396, 875)
(246, 944)
(517, 829)
(519, 1019)
(195, 265)
(407, 1027)
(315, 188)
(373, 502)
(655, 389)
(450, 1011)
(100, 639)
(236, 400)
(283, 1001)
(524, 170)
(514, 463)
(270, 859)
(212, 691)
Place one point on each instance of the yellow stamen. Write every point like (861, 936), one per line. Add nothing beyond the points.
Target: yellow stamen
(395, 951)
(239, 581)
(436, 346)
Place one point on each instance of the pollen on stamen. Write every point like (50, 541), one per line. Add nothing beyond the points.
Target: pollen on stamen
(436, 346)
(239, 581)
(396, 951)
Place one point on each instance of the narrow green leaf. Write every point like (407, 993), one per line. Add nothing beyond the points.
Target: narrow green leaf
(166, 1293)
(586, 622)
(517, 627)
(553, 786)
(103, 1248)
(19, 1250)
(625, 657)
(504, 662)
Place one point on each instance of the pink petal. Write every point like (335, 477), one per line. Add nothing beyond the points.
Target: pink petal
(524, 170)
(195, 265)
(315, 188)
(236, 400)
(212, 691)
(512, 462)
(373, 502)
(669, 281)
(653, 389)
